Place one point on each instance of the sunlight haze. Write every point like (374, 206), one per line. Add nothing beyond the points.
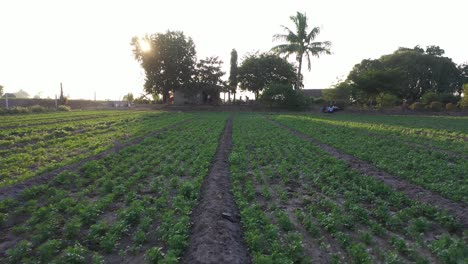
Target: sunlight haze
(86, 44)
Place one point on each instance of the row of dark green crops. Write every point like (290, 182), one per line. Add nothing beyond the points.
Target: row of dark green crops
(297, 203)
(28, 151)
(54, 117)
(300, 205)
(416, 154)
(130, 207)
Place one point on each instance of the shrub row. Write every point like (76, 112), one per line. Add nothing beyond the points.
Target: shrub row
(433, 106)
(32, 109)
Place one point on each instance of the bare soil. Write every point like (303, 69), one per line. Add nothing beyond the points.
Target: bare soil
(13, 191)
(458, 209)
(216, 234)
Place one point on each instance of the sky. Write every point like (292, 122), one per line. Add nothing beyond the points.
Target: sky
(85, 44)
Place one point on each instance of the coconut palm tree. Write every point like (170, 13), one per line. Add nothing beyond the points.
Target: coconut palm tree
(301, 42)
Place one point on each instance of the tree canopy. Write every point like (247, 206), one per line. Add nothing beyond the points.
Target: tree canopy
(300, 41)
(207, 77)
(233, 73)
(168, 60)
(129, 98)
(463, 68)
(407, 74)
(259, 70)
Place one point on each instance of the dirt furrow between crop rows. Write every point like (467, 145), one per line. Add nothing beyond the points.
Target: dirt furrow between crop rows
(216, 235)
(458, 209)
(14, 190)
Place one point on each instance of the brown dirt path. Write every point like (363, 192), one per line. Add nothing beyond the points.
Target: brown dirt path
(458, 209)
(13, 191)
(216, 235)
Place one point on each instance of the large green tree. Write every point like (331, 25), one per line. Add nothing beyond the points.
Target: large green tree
(129, 98)
(259, 70)
(463, 68)
(233, 75)
(207, 79)
(300, 42)
(407, 73)
(168, 60)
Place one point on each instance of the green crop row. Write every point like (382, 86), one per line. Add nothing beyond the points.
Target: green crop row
(23, 163)
(450, 125)
(131, 206)
(424, 167)
(38, 119)
(300, 205)
(450, 139)
(19, 136)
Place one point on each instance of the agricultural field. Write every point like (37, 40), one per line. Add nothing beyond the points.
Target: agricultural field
(165, 187)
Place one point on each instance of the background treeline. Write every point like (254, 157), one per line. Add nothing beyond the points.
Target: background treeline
(414, 78)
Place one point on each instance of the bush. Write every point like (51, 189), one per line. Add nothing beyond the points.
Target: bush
(387, 100)
(450, 107)
(446, 98)
(428, 98)
(37, 109)
(404, 105)
(19, 110)
(283, 95)
(464, 101)
(64, 108)
(416, 106)
(319, 101)
(436, 106)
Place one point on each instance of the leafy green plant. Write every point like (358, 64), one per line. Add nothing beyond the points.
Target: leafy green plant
(49, 249)
(63, 108)
(284, 222)
(75, 254)
(20, 251)
(154, 255)
(450, 250)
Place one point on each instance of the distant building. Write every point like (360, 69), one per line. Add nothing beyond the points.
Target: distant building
(315, 93)
(10, 95)
(179, 98)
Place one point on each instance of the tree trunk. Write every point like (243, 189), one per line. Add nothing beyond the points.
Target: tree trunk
(229, 96)
(298, 81)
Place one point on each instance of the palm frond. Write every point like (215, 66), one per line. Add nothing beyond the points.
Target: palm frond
(290, 36)
(285, 49)
(313, 34)
(300, 21)
(280, 37)
(319, 47)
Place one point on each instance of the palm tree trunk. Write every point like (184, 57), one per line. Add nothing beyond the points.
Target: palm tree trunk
(298, 81)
